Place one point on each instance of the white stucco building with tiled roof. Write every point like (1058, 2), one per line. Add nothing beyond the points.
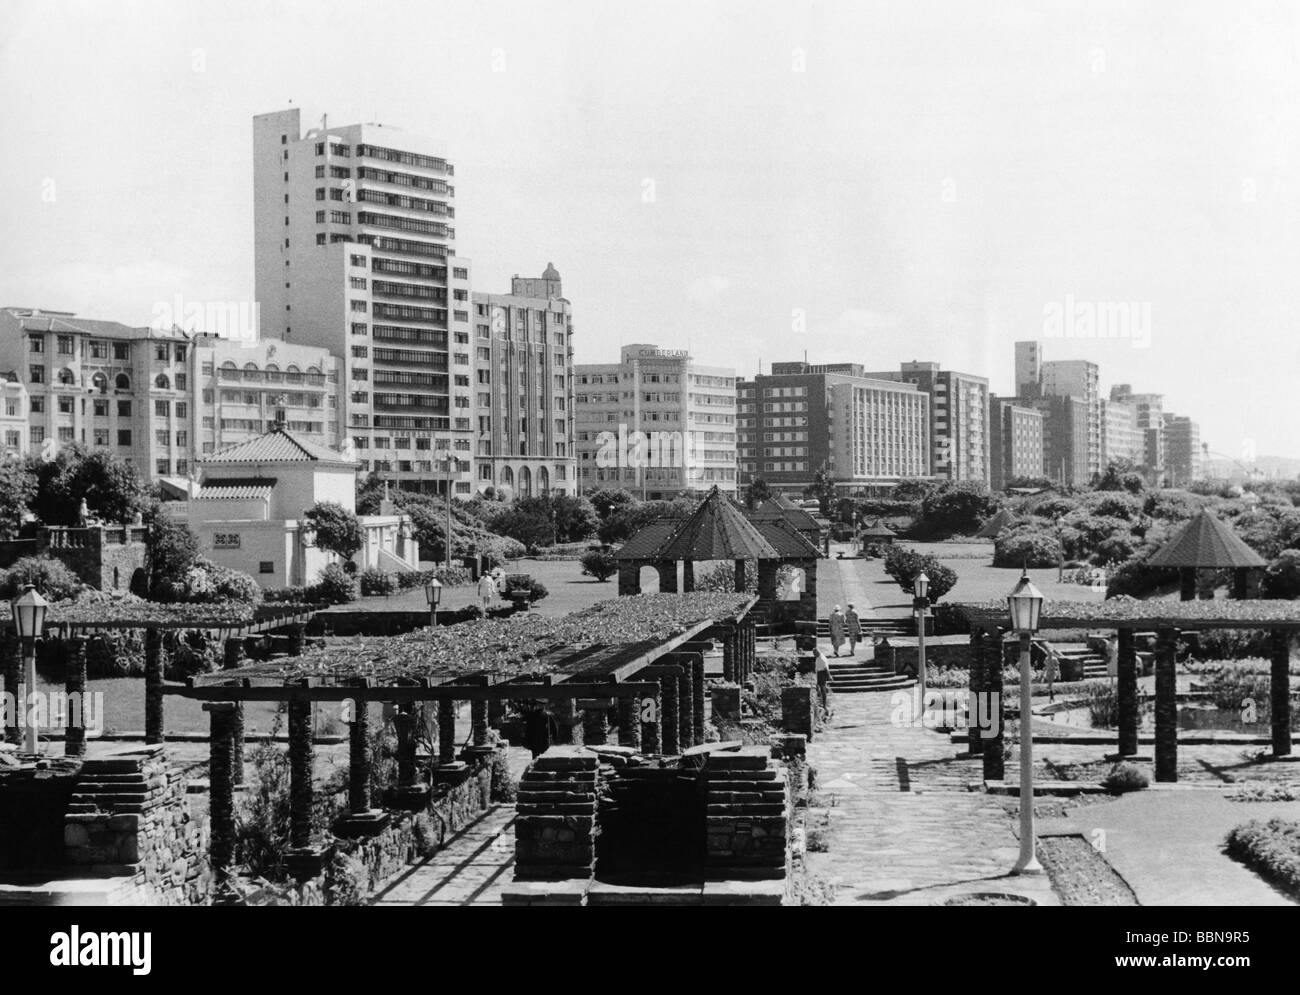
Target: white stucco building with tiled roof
(250, 503)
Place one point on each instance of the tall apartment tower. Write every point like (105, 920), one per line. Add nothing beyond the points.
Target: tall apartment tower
(1082, 379)
(354, 251)
(959, 419)
(1149, 419)
(869, 433)
(685, 412)
(1016, 443)
(523, 361)
(1029, 369)
(1183, 455)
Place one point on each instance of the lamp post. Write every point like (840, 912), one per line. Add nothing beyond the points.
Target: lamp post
(1024, 604)
(28, 610)
(920, 601)
(433, 593)
(452, 464)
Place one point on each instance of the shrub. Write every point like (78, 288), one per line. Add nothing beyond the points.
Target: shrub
(337, 529)
(531, 527)
(949, 620)
(903, 565)
(525, 582)
(1272, 848)
(1103, 705)
(1282, 576)
(1125, 777)
(171, 551)
(336, 586)
(51, 577)
(1228, 644)
(599, 563)
(453, 577)
(377, 582)
(957, 506)
(1026, 547)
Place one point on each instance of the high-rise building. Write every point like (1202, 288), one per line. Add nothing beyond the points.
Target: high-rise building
(1122, 440)
(959, 418)
(1029, 369)
(867, 432)
(656, 422)
(1016, 445)
(1183, 455)
(523, 400)
(1065, 437)
(354, 251)
(1149, 418)
(1082, 379)
(103, 384)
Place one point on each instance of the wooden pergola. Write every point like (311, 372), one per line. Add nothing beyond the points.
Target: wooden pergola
(654, 684)
(1127, 617)
(75, 622)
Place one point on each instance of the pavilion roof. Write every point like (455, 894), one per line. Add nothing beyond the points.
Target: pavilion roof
(879, 531)
(775, 508)
(789, 541)
(717, 530)
(1206, 541)
(645, 543)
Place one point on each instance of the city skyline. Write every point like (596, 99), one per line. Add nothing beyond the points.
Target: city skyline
(893, 209)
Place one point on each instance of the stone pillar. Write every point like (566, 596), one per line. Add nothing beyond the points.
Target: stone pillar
(670, 730)
(478, 722)
(978, 661)
(741, 577)
(237, 744)
(1280, 690)
(1166, 706)
(697, 696)
(234, 650)
(688, 576)
(1187, 584)
(1241, 583)
(651, 723)
(74, 743)
(595, 727)
(767, 580)
(566, 717)
(446, 731)
(496, 715)
(300, 771)
(730, 665)
(991, 688)
(629, 722)
(750, 643)
(404, 721)
(685, 710)
(359, 758)
(629, 578)
(1126, 680)
(726, 701)
(153, 686)
(797, 710)
(297, 639)
(13, 669)
(667, 576)
(221, 792)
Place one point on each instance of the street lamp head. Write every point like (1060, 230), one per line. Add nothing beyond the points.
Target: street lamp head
(1025, 604)
(29, 613)
(921, 585)
(433, 591)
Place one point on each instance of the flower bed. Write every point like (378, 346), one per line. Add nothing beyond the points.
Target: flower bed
(1272, 848)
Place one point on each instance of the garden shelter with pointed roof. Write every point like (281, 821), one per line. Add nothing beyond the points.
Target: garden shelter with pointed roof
(1207, 543)
(991, 528)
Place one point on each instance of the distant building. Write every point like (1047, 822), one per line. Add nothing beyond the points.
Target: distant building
(656, 422)
(1183, 456)
(867, 432)
(1016, 445)
(959, 418)
(1029, 369)
(523, 388)
(1122, 440)
(1082, 379)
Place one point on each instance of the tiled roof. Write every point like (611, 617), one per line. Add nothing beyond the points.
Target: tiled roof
(788, 541)
(649, 538)
(278, 446)
(1205, 542)
(991, 528)
(879, 531)
(717, 530)
(774, 508)
(236, 489)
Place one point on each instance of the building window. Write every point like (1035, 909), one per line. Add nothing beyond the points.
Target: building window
(225, 540)
(37, 434)
(64, 345)
(65, 433)
(182, 409)
(36, 343)
(266, 566)
(36, 374)
(124, 437)
(163, 467)
(161, 382)
(121, 351)
(160, 351)
(65, 405)
(38, 405)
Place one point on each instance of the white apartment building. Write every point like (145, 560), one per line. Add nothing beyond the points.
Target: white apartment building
(355, 252)
(656, 422)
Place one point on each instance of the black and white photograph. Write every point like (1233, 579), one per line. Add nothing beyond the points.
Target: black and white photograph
(693, 454)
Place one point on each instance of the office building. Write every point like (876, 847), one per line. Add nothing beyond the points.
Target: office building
(656, 422)
(959, 419)
(868, 433)
(1079, 378)
(523, 388)
(1149, 418)
(1122, 441)
(1016, 443)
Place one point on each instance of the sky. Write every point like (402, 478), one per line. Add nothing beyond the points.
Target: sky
(752, 181)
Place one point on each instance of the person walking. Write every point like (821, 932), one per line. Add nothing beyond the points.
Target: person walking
(487, 590)
(837, 629)
(1051, 671)
(853, 629)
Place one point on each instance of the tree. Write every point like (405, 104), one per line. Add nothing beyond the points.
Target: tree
(607, 500)
(370, 492)
(575, 518)
(599, 563)
(109, 485)
(529, 525)
(17, 489)
(823, 489)
(905, 565)
(956, 506)
(1282, 576)
(172, 550)
(337, 530)
(759, 491)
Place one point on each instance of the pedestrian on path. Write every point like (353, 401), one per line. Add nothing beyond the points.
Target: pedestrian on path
(487, 590)
(853, 629)
(837, 629)
(1050, 671)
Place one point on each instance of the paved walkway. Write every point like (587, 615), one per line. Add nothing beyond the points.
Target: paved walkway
(904, 829)
(475, 866)
(841, 582)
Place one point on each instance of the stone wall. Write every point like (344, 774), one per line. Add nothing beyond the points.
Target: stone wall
(747, 815)
(555, 823)
(104, 557)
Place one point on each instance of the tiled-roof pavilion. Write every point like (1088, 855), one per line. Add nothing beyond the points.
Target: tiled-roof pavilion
(1207, 543)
